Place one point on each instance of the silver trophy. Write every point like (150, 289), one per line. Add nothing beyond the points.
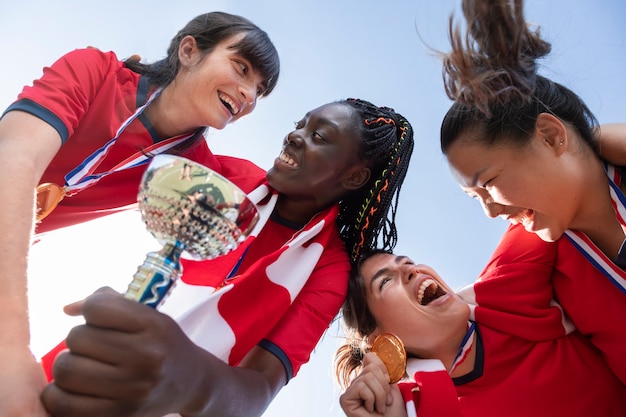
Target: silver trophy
(193, 212)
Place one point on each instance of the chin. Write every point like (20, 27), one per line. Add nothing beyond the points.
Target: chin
(548, 235)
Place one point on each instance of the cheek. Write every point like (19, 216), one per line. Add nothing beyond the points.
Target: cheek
(391, 315)
(513, 190)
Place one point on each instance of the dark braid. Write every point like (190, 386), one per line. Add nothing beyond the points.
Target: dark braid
(364, 216)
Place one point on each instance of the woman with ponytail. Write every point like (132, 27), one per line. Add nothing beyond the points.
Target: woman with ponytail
(524, 146)
(513, 357)
(241, 326)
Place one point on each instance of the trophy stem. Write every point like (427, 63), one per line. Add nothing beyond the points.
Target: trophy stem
(157, 275)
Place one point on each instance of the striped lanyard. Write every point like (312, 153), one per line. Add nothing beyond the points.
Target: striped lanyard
(464, 349)
(83, 175)
(594, 255)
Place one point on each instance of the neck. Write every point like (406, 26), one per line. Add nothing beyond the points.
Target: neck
(596, 217)
(165, 117)
(463, 363)
(297, 211)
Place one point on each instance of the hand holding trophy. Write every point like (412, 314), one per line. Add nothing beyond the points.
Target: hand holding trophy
(191, 210)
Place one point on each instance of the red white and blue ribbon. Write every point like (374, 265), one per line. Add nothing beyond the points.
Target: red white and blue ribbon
(594, 255)
(83, 176)
(464, 348)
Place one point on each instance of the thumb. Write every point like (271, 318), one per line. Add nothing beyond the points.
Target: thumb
(75, 308)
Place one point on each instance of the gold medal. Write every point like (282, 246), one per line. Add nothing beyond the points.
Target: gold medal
(49, 195)
(391, 351)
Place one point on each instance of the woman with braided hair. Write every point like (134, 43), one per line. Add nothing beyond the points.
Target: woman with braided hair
(524, 146)
(243, 324)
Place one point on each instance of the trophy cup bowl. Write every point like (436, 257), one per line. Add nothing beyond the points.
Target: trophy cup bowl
(193, 212)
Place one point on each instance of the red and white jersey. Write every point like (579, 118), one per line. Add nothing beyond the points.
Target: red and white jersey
(288, 286)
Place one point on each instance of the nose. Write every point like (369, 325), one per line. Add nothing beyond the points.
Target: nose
(293, 138)
(248, 93)
(491, 208)
(409, 272)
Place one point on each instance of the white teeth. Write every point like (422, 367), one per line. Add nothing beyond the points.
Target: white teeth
(286, 159)
(233, 107)
(425, 284)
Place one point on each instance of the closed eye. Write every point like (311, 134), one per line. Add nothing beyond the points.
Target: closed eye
(383, 281)
(487, 183)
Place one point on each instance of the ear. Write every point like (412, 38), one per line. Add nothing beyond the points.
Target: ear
(356, 178)
(187, 51)
(552, 131)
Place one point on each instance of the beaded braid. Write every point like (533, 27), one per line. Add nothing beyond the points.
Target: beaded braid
(364, 216)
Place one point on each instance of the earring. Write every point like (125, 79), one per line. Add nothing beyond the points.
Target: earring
(561, 142)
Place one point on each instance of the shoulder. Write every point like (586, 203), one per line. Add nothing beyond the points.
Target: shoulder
(90, 57)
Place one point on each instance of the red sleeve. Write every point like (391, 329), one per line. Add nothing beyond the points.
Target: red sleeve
(514, 293)
(518, 246)
(243, 173)
(314, 308)
(69, 86)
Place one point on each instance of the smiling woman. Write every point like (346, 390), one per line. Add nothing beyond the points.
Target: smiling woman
(88, 126)
(489, 363)
(251, 318)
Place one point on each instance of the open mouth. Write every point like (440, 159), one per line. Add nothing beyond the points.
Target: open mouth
(429, 291)
(232, 107)
(288, 160)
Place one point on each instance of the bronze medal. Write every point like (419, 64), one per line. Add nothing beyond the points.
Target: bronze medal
(48, 197)
(391, 351)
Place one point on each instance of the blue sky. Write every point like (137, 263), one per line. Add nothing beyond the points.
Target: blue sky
(330, 49)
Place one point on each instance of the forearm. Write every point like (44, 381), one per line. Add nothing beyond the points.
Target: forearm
(16, 223)
(27, 145)
(223, 390)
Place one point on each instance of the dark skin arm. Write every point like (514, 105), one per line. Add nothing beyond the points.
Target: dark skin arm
(131, 360)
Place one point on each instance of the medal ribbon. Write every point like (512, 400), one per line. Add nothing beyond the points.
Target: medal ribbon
(464, 349)
(594, 255)
(83, 175)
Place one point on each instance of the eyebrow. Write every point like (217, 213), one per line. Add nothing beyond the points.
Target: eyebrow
(324, 121)
(383, 271)
(474, 181)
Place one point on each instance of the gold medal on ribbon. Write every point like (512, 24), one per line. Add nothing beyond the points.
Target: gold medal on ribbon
(49, 195)
(391, 351)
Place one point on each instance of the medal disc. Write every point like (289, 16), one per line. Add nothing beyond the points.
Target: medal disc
(391, 351)
(48, 197)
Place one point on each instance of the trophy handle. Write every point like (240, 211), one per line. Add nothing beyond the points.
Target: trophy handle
(157, 275)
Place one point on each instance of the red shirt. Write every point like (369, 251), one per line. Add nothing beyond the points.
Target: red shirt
(86, 95)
